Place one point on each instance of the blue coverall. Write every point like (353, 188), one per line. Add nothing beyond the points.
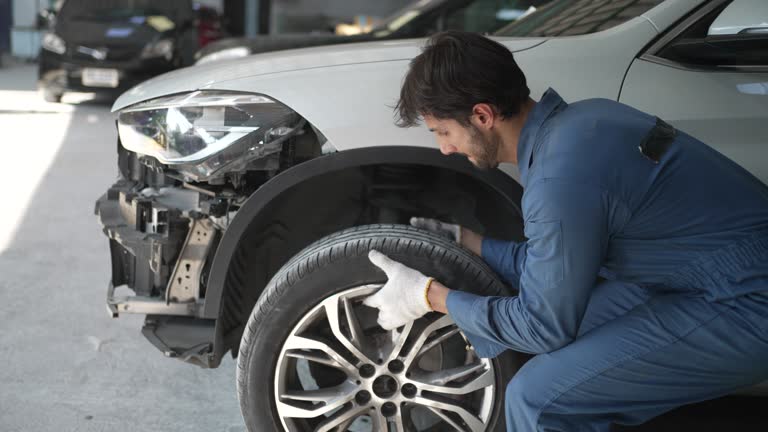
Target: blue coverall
(643, 283)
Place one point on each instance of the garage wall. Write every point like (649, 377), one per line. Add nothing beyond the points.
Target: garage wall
(25, 37)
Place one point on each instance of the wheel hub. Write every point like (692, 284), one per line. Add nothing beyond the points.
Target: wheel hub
(393, 381)
(385, 386)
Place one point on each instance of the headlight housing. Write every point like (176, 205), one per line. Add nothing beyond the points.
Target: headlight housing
(205, 134)
(54, 43)
(161, 48)
(225, 54)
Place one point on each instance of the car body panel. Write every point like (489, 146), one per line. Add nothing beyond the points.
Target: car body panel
(668, 13)
(279, 64)
(698, 107)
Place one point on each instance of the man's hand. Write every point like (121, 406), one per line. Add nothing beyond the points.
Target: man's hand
(463, 236)
(443, 229)
(403, 298)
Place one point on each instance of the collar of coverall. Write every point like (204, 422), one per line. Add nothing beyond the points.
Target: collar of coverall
(549, 103)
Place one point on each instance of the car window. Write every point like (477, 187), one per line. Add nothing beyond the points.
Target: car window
(178, 10)
(577, 17)
(405, 15)
(488, 15)
(733, 34)
(741, 17)
(429, 16)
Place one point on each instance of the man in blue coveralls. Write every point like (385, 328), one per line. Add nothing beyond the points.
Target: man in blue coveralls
(643, 283)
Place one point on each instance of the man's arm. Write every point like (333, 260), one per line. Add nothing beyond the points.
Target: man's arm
(472, 241)
(507, 258)
(567, 230)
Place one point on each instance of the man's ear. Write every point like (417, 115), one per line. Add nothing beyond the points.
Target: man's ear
(483, 116)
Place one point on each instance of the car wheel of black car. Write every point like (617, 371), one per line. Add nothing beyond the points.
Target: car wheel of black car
(50, 95)
(313, 358)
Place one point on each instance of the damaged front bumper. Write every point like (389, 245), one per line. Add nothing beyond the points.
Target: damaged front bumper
(160, 244)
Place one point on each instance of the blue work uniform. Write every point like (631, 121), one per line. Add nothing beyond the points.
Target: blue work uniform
(643, 283)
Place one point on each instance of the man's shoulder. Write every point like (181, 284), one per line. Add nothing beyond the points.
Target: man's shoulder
(585, 113)
(592, 121)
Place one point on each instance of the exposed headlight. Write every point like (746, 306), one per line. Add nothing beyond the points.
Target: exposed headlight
(161, 48)
(225, 54)
(206, 133)
(53, 43)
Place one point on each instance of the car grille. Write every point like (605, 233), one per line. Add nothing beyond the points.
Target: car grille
(113, 53)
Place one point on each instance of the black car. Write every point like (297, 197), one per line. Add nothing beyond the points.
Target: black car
(112, 45)
(419, 19)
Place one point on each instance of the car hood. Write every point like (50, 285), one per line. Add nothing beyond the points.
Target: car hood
(271, 43)
(207, 76)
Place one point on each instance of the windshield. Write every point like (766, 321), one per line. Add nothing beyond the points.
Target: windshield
(177, 10)
(429, 16)
(577, 17)
(406, 15)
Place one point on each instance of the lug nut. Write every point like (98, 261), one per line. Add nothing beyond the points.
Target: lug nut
(362, 397)
(389, 409)
(408, 390)
(367, 371)
(396, 366)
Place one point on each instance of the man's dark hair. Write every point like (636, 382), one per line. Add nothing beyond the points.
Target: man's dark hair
(457, 70)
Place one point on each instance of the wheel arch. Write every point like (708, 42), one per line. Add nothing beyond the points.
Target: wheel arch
(227, 298)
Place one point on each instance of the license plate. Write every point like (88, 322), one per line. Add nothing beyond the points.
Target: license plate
(93, 77)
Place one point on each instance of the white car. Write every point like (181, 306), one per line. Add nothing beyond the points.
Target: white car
(251, 191)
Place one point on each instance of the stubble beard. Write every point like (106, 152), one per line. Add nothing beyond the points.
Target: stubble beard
(485, 151)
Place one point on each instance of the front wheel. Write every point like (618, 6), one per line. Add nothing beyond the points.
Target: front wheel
(313, 358)
(51, 95)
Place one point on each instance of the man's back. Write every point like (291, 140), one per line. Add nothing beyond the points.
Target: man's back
(679, 206)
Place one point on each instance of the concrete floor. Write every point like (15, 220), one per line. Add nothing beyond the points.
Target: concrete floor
(67, 366)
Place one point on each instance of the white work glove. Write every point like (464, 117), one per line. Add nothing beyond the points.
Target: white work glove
(403, 298)
(443, 229)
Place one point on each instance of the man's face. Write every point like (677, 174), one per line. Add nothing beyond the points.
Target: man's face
(481, 148)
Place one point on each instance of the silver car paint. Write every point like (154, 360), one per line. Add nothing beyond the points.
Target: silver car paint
(314, 59)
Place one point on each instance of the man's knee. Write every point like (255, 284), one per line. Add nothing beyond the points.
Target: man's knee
(528, 393)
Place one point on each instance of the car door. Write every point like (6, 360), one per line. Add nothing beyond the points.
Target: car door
(708, 76)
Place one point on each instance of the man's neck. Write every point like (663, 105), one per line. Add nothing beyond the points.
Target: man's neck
(510, 129)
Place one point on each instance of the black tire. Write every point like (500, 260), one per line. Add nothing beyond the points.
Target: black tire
(50, 95)
(332, 265)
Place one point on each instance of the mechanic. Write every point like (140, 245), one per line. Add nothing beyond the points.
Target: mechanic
(643, 283)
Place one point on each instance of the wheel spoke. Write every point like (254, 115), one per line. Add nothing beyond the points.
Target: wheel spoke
(399, 340)
(443, 377)
(302, 343)
(437, 382)
(380, 423)
(446, 419)
(313, 357)
(398, 423)
(444, 321)
(321, 395)
(329, 399)
(354, 325)
(473, 422)
(340, 420)
(437, 341)
(332, 311)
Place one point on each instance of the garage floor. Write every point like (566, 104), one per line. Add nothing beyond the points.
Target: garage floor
(67, 365)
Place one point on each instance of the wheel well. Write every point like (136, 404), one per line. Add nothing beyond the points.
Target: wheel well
(322, 204)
